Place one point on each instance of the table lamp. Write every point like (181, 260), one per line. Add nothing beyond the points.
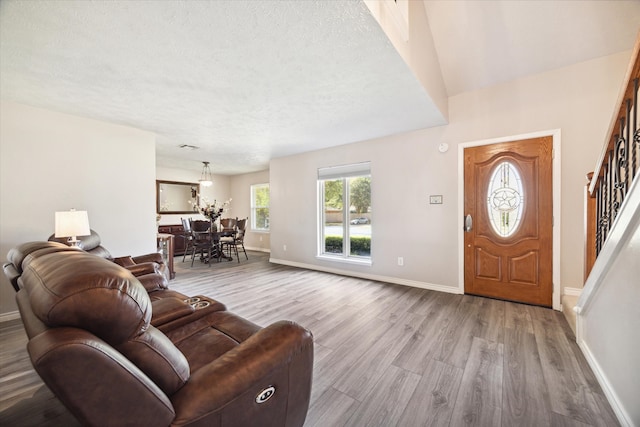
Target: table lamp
(71, 224)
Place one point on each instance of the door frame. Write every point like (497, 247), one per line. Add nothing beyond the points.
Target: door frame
(556, 135)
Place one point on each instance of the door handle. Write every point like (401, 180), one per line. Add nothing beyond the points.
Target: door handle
(468, 223)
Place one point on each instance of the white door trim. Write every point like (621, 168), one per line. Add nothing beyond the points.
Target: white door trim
(556, 134)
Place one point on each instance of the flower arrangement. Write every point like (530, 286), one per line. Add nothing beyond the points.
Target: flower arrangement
(212, 211)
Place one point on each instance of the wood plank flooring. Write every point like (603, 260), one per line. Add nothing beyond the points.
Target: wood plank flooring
(385, 355)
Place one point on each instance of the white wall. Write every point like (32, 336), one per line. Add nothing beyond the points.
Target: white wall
(608, 318)
(407, 168)
(608, 331)
(241, 207)
(53, 162)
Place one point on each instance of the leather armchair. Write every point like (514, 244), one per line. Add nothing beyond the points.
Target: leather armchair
(91, 341)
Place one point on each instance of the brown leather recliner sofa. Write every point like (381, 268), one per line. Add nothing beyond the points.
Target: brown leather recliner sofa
(92, 342)
(138, 265)
(168, 305)
(150, 272)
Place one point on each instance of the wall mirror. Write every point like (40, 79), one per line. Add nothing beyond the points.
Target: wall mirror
(176, 197)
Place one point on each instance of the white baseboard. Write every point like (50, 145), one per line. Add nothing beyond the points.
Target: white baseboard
(623, 417)
(574, 292)
(395, 280)
(267, 250)
(12, 315)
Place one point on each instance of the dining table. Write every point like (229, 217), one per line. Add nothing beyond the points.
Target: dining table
(214, 238)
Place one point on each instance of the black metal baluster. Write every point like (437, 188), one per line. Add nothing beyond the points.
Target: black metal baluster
(598, 189)
(636, 133)
(611, 213)
(628, 144)
(605, 202)
(619, 161)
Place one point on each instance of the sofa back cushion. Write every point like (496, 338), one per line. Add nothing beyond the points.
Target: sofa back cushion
(17, 255)
(90, 243)
(73, 288)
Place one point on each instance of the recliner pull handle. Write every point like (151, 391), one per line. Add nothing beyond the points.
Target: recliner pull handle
(265, 394)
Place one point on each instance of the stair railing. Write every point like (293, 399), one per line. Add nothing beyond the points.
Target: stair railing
(618, 167)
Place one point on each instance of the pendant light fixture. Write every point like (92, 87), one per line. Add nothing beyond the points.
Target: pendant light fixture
(205, 178)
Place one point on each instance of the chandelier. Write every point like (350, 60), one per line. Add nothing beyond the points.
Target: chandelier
(205, 178)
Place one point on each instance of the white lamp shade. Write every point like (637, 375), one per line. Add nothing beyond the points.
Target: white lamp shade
(72, 223)
(206, 179)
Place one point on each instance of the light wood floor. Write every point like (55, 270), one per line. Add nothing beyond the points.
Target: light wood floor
(385, 355)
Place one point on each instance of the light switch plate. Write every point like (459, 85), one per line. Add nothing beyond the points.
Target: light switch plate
(435, 200)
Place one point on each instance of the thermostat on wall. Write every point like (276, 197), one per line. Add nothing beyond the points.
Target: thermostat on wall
(435, 200)
(443, 147)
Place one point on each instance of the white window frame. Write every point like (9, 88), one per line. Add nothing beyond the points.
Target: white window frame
(255, 207)
(343, 172)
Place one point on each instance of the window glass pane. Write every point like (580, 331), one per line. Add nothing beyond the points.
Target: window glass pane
(505, 199)
(260, 207)
(332, 216)
(360, 216)
(261, 219)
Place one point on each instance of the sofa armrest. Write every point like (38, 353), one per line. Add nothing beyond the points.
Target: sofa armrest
(12, 274)
(95, 382)
(167, 309)
(279, 356)
(153, 282)
(152, 257)
(143, 268)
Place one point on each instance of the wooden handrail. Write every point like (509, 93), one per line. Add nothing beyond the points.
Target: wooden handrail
(626, 93)
(618, 166)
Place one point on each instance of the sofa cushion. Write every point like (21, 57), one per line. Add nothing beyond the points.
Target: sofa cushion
(156, 355)
(125, 261)
(17, 255)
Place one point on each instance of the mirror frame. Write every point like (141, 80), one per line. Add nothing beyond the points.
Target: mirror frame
(186, 184)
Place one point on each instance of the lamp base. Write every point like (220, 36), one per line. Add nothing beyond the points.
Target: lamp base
(73, 242)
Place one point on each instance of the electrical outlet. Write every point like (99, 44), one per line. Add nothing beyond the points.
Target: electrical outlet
(284, 247)
(261, 238)
(400, 261)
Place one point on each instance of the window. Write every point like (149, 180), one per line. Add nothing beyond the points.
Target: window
(260, 207)
(345, 212)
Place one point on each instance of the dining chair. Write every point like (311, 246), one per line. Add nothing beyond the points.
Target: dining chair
(187, 235)
(228, 231)
(238, 239)
(228, 224)
(203, 242)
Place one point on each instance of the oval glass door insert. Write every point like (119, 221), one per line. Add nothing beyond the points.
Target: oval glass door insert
(505, 199)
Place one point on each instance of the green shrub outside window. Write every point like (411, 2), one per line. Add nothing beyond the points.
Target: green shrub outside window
(360, 246)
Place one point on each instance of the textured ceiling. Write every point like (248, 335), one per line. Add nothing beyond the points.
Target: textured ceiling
(248, 81)
(244, 80)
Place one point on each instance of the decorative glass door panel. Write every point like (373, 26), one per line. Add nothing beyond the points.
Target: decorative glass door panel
(505, 199)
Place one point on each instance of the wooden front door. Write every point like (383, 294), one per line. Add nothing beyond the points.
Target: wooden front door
(508, 221)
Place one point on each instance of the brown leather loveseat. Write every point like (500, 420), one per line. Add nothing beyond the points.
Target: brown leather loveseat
(91, 341)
